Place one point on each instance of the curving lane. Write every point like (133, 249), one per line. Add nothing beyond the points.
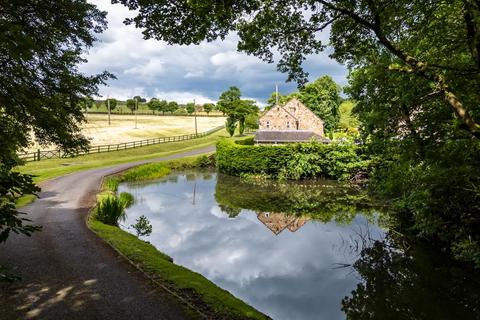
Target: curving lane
(67, 271)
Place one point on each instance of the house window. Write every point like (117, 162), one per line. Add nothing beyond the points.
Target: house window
(288, 124)
(293, 110)
(268, 124)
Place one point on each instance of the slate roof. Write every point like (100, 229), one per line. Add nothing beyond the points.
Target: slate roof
(286, 136)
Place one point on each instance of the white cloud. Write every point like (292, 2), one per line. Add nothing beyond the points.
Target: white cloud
(182, 96)
(182, 73)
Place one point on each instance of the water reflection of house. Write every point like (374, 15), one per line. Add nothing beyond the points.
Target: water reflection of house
(277, 221)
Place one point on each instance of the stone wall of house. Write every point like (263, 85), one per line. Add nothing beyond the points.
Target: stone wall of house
(292, 116)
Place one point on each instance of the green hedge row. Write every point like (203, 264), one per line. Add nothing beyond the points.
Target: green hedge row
(291, 161)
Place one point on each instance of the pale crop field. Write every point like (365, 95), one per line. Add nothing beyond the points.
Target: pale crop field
(122, 127)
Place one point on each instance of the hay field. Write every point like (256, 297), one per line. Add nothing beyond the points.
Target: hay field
(122, 128)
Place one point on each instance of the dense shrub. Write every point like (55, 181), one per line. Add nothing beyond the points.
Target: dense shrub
(109, 210)
(246, 142)
(292, 161)
(205, 161)
(126, 199)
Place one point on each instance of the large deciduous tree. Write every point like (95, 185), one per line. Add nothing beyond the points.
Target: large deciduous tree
(41, 89)
(322, 96)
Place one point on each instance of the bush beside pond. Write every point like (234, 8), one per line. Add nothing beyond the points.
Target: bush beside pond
(292, 161)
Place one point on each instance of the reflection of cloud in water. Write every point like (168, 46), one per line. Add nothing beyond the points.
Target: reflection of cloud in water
(288, 276)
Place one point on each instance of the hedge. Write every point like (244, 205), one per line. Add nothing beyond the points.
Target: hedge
(291, 161)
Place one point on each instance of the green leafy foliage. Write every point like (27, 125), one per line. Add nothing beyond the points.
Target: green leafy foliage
(113, 103)
(13, 185)
(190, 108)
(172, 107)
(109, 210)
(205, 161)
(142, 227)
(348, 120)
(132, 104)
(322, 96)
(292, 161)
(231, 125)
(140, 99)
(126, 199)
(208, 107)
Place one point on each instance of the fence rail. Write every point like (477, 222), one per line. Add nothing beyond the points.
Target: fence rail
(51, 154)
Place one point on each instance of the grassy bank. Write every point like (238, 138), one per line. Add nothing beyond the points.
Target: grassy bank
(205, 296)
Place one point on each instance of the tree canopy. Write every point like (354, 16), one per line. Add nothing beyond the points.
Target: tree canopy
(236, 109)
(208, 107)
(41, 89)
(132, 104)
(190, 107)
(113, 103)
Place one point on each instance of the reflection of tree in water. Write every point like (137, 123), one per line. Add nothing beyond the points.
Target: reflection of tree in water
(320, 200)
(420, 284)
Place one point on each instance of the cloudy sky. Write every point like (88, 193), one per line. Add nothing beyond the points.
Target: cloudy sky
(152, 68)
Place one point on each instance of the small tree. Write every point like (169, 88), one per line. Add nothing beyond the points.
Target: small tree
(143, 227)
(172, 106)
(163, 106)
(113, 103)
(190, 107)
(208, 107)
(131, 105)
(153, 105)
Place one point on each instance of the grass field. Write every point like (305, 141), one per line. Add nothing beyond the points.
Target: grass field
(122, 128)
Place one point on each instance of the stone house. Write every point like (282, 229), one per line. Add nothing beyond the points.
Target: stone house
(293, 122)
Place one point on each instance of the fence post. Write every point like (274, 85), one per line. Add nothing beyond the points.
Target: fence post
(38, 155)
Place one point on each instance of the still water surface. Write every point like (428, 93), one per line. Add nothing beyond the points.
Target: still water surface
(293, 251)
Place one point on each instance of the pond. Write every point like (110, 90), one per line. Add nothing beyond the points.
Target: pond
(295, 250)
